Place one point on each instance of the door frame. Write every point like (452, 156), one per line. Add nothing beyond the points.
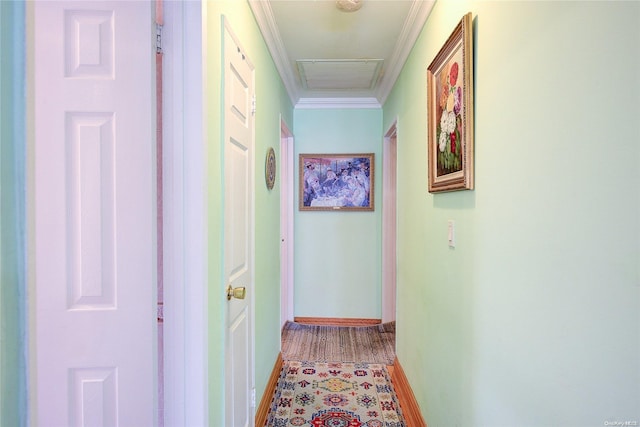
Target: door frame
(184, 167)
(389, 223)
(286, 222)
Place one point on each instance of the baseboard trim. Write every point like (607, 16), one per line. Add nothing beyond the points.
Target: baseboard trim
(337, 321)
(408, 403)
(269, 391)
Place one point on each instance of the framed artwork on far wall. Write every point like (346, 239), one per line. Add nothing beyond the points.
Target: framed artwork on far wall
(450, 111)
(336, 182)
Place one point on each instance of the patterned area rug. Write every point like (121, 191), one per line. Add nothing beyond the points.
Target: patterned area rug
(315, 394)
(371, 344)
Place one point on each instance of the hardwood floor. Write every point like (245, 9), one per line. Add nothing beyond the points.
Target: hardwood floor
(399, 381)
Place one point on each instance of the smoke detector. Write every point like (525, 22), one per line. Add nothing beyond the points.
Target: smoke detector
(349, 5)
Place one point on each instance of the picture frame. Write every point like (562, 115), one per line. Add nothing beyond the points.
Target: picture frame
(336, 182)
(450, 112)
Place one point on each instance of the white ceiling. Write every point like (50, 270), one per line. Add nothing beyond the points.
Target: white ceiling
(331, 58)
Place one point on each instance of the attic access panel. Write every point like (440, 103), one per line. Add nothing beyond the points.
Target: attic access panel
(339, 74)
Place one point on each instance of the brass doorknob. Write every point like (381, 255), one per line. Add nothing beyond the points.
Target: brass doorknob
(238, 293)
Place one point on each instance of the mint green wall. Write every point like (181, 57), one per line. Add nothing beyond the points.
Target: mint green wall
(272, 101)
(12, 222)
(338, 254)
(534, 318)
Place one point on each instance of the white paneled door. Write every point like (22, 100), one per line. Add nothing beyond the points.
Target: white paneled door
(94, 214)
(238, 233)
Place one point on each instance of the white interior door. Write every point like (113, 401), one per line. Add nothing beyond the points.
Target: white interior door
(94, 193)
(238, 232)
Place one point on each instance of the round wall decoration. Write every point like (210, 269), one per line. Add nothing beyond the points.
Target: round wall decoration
(270, 168)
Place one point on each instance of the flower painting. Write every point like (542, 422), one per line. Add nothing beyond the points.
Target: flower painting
(450, 91)
(449, 125)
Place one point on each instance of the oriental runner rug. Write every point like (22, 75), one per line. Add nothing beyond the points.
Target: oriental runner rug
(316, 394)
(322, 343)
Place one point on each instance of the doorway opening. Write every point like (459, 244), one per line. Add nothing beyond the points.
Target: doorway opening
(389, 224)
(286, 223)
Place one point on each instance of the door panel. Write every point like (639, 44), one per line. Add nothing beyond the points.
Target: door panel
(238, 232)
(94, 214)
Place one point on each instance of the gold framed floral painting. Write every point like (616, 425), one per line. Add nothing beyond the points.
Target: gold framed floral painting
(450, 106)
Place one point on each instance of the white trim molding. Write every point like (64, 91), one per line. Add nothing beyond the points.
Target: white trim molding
(318, 103)
(269, 29)
(185, 290)
(416, 18)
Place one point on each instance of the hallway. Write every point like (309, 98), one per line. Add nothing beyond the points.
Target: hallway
(513, 325)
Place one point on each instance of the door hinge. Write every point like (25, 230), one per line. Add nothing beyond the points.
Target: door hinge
(160, 312)
(253, 104)
(158, 38)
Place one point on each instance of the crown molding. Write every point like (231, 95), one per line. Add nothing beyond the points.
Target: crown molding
(263, 14)
(416, 18)
(411, 30)
(337, 103)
